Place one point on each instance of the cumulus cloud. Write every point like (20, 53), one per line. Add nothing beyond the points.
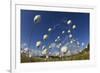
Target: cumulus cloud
(53, 45)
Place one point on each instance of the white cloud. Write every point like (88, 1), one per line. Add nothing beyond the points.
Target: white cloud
(53, 45)
(68, 53)
(83, 44)
(23, 45)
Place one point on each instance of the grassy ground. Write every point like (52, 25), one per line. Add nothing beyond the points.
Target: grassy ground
(84, 55)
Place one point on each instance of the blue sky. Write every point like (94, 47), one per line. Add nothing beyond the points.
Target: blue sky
(31, 32)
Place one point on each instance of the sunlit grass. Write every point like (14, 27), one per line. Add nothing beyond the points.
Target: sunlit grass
(84, 55)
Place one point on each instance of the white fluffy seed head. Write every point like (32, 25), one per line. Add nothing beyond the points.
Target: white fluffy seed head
(49, 29)
(70, 35)
(37, 19)
(44, 52)
(63, 32)
(71, 41)
(45, 37)
(64, 49)
(58, 37)
(69, 22)
(38, 43)
(69, 31)
(74, 26)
